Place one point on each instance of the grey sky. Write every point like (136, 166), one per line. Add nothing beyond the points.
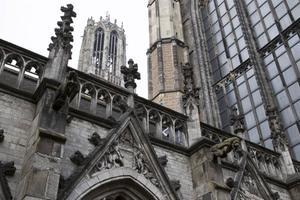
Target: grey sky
(31, 23)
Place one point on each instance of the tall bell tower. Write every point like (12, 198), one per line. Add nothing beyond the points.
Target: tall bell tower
(103, 50)
(166, 54)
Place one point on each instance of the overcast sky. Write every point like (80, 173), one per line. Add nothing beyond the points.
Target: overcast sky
(31, 23)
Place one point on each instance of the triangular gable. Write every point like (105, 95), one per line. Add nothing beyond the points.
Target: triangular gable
(127, 146)
(250, 185)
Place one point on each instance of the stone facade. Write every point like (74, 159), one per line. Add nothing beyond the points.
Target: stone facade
(67, 134)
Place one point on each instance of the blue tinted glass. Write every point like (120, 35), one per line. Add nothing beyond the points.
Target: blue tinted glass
(253, 135)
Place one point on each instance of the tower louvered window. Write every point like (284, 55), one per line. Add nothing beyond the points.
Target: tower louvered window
(98, 49)
(113, 42)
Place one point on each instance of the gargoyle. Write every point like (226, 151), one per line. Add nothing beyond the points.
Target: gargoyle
(67, 90)
(222, 149)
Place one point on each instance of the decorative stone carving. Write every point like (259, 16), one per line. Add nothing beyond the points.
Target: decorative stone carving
(222, 149)
(1, 135)
(249, 188)
(230, 182)
(175, 184)
(121, 103)
(142, 166)
(189, 90)
(67, 90)
(237, 121)
(278, 136)
(6, 169)
(163, 160)
(77, 158)
(63, 34)
(130, 74)
(112, 158)
(95, 139)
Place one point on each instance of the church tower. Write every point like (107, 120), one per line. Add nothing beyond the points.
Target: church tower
(166, 54)
(103, 50)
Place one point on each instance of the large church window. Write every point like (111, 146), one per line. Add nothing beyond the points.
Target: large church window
(98, 49)
(113, 42)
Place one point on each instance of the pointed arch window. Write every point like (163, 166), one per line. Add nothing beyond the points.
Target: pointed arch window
(98, 49)
(113, 42)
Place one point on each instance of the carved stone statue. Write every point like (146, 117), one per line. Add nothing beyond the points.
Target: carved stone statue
(67, 91)
(95, 139)
(222, 149)
(77, 158)
(141, 166)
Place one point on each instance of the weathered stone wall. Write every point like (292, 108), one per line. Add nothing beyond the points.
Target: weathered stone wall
(77, 133)
(16, 116)
(171, 100)
(178, 168)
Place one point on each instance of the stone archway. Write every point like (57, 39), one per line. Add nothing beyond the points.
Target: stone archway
(124, 189)
(116, 184)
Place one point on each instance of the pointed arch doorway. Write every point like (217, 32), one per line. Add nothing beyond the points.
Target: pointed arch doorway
(121, 189)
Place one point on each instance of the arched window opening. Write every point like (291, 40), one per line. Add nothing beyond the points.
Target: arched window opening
(119, 106)
(11, 70)
(14, 62)
(112, 55)
(31, 76)
(141, 112)
(98, 49)
(167, 128)
(104, 107)
(154, 123)
(180, 136)
(87, 98)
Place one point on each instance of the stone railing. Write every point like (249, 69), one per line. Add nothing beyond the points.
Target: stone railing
(266, 160)
(20, 68)
(100, 98)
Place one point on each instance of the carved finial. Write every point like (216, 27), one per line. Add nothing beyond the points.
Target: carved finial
(222, 149)
(130, 74)
(63, 34)
(237, 121)
(1, 135)
(107, 18)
